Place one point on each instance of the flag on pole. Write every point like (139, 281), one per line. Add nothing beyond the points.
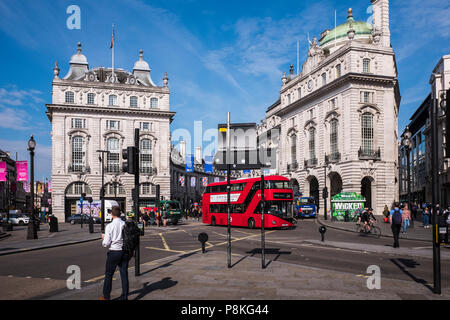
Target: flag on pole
(112, 39)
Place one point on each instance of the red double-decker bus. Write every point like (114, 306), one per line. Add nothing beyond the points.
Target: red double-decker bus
(245, 200)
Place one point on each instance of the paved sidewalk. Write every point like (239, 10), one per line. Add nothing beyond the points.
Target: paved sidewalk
(416, 233)
(67, 234)
(198, 276)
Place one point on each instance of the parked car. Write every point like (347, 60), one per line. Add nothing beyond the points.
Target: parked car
(76, 218)
(18, 219)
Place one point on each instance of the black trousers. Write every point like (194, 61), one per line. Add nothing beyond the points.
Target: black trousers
(396, 233)
(116, 259)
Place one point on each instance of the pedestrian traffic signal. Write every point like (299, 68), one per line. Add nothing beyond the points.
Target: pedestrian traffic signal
(130, 158)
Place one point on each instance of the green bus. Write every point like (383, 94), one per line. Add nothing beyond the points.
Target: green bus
(171, 207)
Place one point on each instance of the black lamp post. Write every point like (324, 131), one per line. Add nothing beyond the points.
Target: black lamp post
(406, 142)
(32, 230)
(102, 189)
(325, 189)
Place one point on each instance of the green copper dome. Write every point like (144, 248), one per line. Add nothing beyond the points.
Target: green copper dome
(360, 27)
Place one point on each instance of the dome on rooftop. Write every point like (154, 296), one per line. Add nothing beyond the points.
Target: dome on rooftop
(141, 64)
(79, 58)
(362, 30)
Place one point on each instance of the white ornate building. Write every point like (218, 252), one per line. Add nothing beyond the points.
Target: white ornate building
(98, 109)
(340, 113)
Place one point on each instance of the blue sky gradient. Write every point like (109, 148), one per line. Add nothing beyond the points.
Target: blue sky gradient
(219, 55)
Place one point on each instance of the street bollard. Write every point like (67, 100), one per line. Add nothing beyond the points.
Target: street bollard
(91, 225)
(203, 238)
(322, 231)
(53, 224)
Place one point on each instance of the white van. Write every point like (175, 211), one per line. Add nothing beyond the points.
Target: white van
(108, 206)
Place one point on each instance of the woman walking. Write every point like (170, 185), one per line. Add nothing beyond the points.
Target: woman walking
(426, 218)
(406, 217)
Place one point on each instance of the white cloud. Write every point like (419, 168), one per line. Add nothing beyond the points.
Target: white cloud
(13, 119)
(14, 97)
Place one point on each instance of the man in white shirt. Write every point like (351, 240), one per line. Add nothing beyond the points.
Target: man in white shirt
(116, 257)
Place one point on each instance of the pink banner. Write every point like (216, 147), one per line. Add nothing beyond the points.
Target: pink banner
(2, 171)
(22, 170)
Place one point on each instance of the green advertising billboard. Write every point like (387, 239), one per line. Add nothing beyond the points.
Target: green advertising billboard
(346, 201)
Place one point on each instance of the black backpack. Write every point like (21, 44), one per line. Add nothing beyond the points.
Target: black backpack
(397, 217)
(130, 235)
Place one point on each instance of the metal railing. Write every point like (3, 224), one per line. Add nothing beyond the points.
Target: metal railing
(334, 157)
(292, 166)
(369, 154)
(311, 163)
(79, 169)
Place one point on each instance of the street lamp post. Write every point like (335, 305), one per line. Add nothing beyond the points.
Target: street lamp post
(32, 230)
(325, 190)
(406, 142)
(102, 189)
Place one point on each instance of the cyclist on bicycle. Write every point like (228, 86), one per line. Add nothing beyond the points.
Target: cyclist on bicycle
(367, 218)
(357, 216)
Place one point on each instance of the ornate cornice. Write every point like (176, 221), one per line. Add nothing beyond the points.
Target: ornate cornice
(112, 110)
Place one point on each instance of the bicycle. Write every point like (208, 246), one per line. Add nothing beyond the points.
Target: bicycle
(374, 230)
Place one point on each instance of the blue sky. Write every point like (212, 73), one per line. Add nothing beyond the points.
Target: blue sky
(219, 55)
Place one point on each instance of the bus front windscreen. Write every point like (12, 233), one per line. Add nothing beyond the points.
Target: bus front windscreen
(277, 208)
(175, 206)
(307, 201)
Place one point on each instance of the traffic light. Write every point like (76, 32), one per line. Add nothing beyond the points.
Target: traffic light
(325, 193)
(130, 158)
(447, 124)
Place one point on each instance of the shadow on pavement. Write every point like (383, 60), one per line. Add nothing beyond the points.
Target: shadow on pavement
(165, 283)
(410, 263)
(268, 251)
(168, 264)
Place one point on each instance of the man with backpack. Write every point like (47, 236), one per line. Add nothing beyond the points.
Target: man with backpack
(396, 223)
(121, 245)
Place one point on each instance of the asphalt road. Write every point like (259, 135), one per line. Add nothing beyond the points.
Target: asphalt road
(289, 246)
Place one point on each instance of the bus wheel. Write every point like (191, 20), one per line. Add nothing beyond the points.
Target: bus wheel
(251, 223)
(213, 221)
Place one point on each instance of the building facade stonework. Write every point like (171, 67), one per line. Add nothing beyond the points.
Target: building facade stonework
(338, 117)
(98, 109)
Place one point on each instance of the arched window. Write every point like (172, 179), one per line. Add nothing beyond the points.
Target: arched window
(312, 143)
(112, 159)
(367, 133)
(334, 137)
(113, 100)
(70, 97)
(338, 71)
(154, 103)
(134, 102)
(293, 148)
(366, 65)
(90, 98)
(146, 156)
(78, 153)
